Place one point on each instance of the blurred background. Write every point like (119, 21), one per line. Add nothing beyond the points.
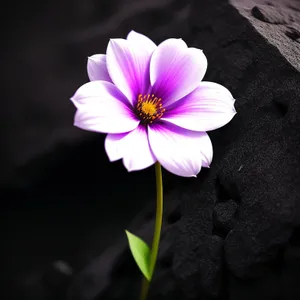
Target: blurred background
(62, 202)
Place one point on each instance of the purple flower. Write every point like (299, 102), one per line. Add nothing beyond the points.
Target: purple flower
(152, 103)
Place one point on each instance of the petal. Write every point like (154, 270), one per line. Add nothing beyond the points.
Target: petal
(103, 108)
(133, 147)
(206, 150)
(180, 151)
(176, 70)
(128, 66)
(141, 41)
(114, 145)
(208, 107)
(97, 69)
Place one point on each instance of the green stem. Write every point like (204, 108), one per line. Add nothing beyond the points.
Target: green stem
(157, 230)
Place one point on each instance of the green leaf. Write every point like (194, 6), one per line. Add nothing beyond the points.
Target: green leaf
(140, 252)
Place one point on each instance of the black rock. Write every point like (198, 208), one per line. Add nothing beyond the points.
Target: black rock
(238, 218)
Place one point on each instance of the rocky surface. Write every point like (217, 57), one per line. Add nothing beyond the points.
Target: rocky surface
(233, 233)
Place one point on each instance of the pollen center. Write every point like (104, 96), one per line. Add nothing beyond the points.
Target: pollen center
(149, 108)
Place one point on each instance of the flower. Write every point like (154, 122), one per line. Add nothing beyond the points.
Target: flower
(151, 102)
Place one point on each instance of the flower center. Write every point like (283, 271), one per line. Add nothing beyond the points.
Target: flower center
(149, 108)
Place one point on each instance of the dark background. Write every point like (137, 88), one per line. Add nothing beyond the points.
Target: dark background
(232, 233)
(61, 199)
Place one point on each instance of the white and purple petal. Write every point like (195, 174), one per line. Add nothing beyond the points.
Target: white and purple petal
(180, 151)
(101, 107)
(133, 147)
(141, 42)
(176, 70)
(128, 65)
(208, 107)
(97, 69)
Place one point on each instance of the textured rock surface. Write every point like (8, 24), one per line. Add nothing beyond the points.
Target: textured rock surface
(233, 233)
(278, 22)
(236, 234)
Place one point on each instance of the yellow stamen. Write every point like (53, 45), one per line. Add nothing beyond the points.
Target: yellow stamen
(149, 108)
